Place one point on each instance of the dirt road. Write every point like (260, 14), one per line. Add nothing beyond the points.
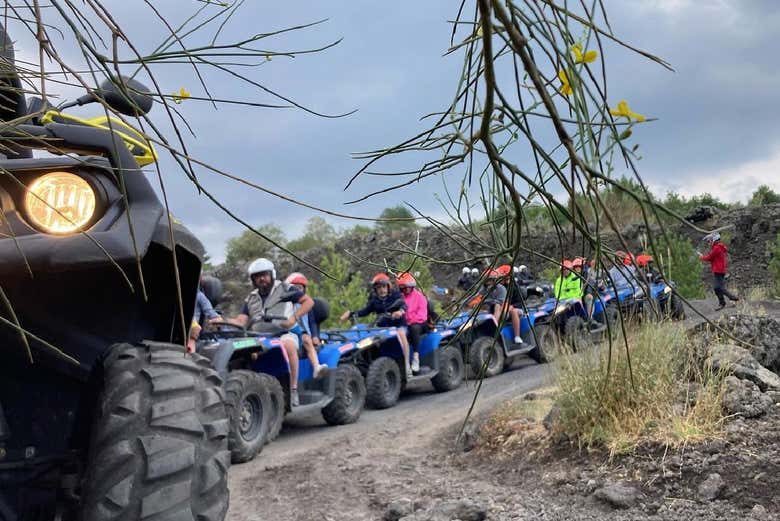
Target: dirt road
(351, 472)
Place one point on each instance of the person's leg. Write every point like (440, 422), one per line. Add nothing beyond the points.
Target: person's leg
(718, 283)
(290, 346)
(401, 334)
(588, 305)
(311, 354)
(514, 315)
(416, 332)
(732, 297)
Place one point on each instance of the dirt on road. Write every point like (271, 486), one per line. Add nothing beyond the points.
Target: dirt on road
(406, 454)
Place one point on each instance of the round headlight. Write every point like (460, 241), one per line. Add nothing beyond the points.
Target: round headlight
(60, 203)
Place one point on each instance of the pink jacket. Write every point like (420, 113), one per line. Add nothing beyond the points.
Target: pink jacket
(416, 307)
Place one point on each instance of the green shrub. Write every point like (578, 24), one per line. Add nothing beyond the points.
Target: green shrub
(681, 263)
(345, 291)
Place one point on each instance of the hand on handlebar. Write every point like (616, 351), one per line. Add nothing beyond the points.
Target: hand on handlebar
(397, 314)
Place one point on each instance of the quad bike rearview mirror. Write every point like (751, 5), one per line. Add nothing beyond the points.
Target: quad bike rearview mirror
(125, 95)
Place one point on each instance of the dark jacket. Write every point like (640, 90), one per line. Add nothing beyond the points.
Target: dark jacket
(392, 302)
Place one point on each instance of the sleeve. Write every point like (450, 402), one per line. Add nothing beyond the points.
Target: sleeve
(708, 257)
(366, 310)
(294, 296)
(557, 287)
(245, 309)
(205, 306)
(398, 304)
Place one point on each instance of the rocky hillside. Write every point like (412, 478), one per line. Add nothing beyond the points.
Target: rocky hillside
(748, 230)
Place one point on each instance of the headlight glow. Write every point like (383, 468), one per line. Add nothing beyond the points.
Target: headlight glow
(667, 289)
(561, 308)
(60, 203)
(365, 342)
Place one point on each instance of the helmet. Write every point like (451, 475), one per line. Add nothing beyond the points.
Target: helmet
(405, 279)
(567, 264)
(643, 260)
(522, 267)
(474, 271)
(504, 270)
(713, 237)
(466, 270)
(491, 274)
(297, 278)
(578, 261)
(515, 269)
(260, 265)
(380, 278)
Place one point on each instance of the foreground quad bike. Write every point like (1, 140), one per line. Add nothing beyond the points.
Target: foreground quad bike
(117, 422)
(257, 384)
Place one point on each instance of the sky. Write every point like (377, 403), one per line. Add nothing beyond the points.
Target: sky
(715, 130)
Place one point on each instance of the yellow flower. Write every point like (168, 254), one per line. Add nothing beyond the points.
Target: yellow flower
(565, 85)
(623, 110)
(588, 57)
(181, 95)
(479, 31)
(268, 57)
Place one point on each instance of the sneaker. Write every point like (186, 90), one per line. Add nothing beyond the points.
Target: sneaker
(294, 400)
(416, 362)
(518, 340)
(321, 370)
(409, 373)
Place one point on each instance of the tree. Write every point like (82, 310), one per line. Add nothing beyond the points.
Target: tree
(420, 270)
(249, 245)
(346, 290)
(396, 212)
(684, 267)
(764, 195)
(318, 232)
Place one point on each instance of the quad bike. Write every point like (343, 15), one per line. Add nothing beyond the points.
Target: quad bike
(378, 356)
(570, 322)
(257, 384)
(102, 414)
(490, 349)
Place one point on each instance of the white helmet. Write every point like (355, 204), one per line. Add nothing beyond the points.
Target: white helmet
(523, 267)
(466, 270)
(260, 265)
(515, 270)
(474, 271)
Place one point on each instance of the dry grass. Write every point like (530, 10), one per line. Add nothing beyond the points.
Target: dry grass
(671, 400)
(516, 422)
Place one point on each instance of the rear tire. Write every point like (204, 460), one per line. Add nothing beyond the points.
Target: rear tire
(677, 307)
(577, 333)
(249, 406)
(450, 373)
(484, 348)
(546, 344)
(350, 397)
(277, 406)
(159, 444)
(383, 383)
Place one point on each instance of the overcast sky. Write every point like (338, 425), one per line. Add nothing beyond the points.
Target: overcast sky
(717, 127)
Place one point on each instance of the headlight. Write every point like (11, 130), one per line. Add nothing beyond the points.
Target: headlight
(59, 203)
(668, 289)
(560, 308)
(365, 342)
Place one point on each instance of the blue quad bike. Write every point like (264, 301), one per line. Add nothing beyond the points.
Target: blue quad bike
(490, 350)
(256, 371)
(663, 302)
(378, 357)
(570, 321)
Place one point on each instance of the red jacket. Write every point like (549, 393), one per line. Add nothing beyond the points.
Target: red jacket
(717, 258)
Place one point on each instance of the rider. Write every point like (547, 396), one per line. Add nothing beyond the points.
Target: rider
(309, 328)
(622, 273)
(416, 314)
(465, 281)
(717, 259)
(274, 298)
(494, 298)
(568, 284)
(391, 307)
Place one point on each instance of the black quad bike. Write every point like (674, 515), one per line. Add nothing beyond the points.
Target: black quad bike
(102, 414)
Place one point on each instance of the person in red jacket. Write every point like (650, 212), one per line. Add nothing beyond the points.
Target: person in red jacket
(717, 259)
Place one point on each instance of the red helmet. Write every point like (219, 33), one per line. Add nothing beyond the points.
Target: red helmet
(566, 263)
(380, 278)
(643, 260)
(297, 278)
(491, 274)
(405, 280)
(578, 261)
(504, 270)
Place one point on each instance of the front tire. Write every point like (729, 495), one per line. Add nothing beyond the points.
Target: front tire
(277, 406)
(450, 373)
(546, 344)
(486, 348)
(383, 383)
(577, 333)
(159, 444)
(350, 397)
(249, 409)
